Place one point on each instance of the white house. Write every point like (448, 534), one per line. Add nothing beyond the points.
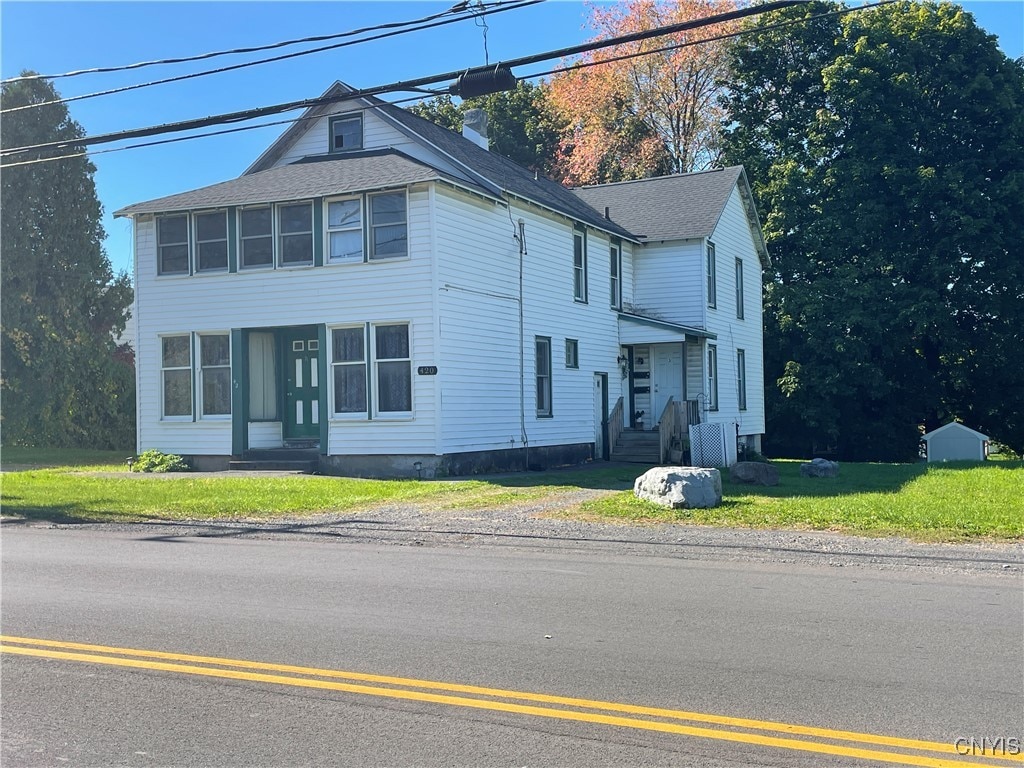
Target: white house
(390, 298)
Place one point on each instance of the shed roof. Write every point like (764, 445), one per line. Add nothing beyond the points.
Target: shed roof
(954, 426)
(316, 177)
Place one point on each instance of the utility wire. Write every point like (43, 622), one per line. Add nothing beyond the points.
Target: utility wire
(176, 139)
(474, 14)
(716, 38)
(405, 85)
(457, 8)
(559, 70)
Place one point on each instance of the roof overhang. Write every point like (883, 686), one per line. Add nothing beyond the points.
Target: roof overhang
(637, 329)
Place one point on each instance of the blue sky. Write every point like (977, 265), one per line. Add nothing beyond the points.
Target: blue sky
(53, 37)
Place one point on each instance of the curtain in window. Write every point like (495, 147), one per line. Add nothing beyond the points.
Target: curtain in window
(262, 377)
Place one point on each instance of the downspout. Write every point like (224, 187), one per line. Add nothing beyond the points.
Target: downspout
(522, 355)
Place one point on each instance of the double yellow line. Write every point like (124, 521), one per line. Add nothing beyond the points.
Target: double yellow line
(733, 729)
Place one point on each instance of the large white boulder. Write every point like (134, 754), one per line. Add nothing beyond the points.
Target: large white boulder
(680, 487)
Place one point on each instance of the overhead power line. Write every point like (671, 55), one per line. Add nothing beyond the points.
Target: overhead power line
(406, 85)
(715, 38)
(460, 7)
(427, 22)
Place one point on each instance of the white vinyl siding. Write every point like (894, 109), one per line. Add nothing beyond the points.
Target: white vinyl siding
(264, 299)
(668, 281)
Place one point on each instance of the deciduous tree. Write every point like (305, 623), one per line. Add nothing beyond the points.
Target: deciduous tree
(63, 381)
(645, 116)
(886, 148)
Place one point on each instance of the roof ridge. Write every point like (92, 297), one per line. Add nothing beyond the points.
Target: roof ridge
(657, 178)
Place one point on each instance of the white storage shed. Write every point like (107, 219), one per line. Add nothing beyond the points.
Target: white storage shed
(955, 442)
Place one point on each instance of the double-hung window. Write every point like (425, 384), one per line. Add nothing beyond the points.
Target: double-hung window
(349, 363)
(712, 374)
(741, 378)
(579, 266)
(211, 241)
(712, 281)
(172, 245)
(256, 237)
(345, 231)
(393, 369)
(543, 371)
(295, 234)
(176, 376)
(387, 372)
(616, 276)
(215, 374)
(389, 235)
(346, 133)
(739, 289)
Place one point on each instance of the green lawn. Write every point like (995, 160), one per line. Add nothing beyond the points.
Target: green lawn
(947, 502)
(939, 503)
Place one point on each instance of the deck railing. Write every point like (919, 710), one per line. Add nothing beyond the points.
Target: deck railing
(615, 425)
(670, 427)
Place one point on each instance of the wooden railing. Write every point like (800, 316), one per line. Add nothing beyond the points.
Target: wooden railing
(670, 427)
(615, 425)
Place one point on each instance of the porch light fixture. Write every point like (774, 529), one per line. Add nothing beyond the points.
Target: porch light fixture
(418, 466)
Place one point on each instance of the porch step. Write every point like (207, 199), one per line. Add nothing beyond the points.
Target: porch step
(636, 447)
(305, 460)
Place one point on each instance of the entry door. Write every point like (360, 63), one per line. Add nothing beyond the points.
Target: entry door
(601, 416)
(667, 377)
(302, 384)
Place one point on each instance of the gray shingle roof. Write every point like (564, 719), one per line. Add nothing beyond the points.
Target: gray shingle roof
(667, 207)
(328, 175)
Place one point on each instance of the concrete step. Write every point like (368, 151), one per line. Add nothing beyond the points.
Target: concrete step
(281, 454)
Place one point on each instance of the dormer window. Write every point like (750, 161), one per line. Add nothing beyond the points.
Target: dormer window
(347, 133)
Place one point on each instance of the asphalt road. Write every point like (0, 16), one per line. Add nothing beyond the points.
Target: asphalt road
(768, 650)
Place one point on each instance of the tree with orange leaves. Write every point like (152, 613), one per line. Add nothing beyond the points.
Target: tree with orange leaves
(649, 115)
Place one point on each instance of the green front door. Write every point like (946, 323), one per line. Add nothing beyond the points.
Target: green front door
(302, 384)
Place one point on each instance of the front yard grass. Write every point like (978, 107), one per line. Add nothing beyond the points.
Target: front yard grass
(949, 502)
(953, 502)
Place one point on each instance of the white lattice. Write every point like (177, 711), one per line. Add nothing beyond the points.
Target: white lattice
(707, 445)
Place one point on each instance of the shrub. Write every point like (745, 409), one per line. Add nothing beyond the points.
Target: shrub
(157, 461)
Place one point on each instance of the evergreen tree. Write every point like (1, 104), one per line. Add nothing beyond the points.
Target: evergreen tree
(64, 382)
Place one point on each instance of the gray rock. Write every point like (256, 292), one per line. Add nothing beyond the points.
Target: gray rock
(754, 473)
(819, 468)
(680, 487)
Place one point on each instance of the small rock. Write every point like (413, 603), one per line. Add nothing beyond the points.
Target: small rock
(819, 468)
(547, 637)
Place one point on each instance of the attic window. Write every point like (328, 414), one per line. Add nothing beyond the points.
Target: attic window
(347, 133)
